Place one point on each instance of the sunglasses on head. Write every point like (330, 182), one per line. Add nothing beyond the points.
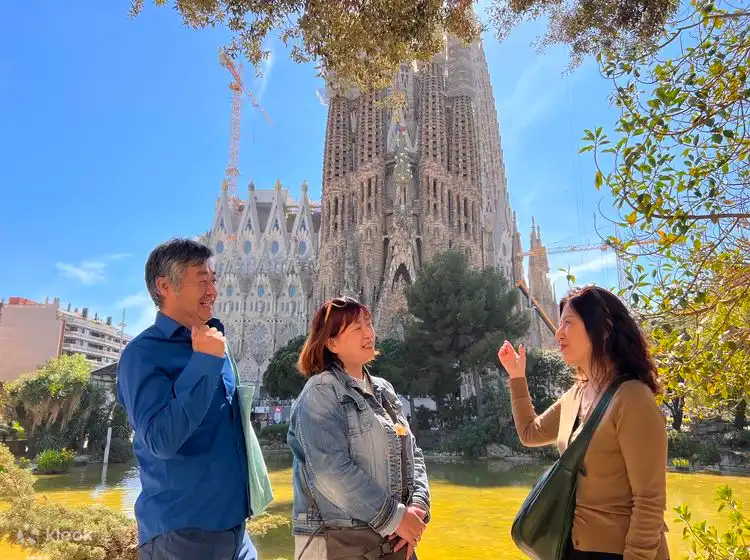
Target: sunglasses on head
(339, 302)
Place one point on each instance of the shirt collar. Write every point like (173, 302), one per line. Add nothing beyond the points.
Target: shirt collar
(169, 326)
(349, 381)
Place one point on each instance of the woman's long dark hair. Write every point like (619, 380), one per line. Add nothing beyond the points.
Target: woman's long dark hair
(615, 337)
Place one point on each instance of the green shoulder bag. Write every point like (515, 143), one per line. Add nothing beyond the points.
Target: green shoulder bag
(261, 493)
(543, 525)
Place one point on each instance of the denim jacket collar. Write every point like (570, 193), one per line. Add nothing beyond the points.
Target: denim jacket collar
(348, 382)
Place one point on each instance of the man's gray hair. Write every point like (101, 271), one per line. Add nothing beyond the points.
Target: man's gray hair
(170, 259)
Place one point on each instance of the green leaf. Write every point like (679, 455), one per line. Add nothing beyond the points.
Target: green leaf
(598, 179)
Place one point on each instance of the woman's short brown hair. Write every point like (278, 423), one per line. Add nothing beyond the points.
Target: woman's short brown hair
(332, 318)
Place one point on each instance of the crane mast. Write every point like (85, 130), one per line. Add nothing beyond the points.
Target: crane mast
(237, 88)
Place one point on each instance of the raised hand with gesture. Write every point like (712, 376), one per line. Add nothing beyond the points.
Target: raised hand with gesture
(513, 362)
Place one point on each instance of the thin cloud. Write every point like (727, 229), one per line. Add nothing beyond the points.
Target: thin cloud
(535, 93)
(261, 83)
(116, 256)
(604, 262)
(321, 95)
(140, 312)
(89, 271)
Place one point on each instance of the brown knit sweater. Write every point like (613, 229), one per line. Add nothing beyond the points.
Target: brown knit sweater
(621, 494)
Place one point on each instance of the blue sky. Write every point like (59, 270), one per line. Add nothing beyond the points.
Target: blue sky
(116, 133)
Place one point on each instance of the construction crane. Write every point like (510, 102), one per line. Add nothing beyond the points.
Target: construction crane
(621, 275)
(521, 285)
(238, 88)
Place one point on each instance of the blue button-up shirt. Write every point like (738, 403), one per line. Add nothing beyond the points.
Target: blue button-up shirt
(188, 432)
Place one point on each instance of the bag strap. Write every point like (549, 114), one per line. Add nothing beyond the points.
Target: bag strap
(314, 506)
(573, 456)
(235, 370)
(402, 439)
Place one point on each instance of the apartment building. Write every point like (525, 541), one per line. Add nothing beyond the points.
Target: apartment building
(32, 333)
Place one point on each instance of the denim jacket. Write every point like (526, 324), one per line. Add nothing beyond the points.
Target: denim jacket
(354, 476)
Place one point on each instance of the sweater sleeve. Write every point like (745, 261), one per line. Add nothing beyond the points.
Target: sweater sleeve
(642, 436)
(533, 430)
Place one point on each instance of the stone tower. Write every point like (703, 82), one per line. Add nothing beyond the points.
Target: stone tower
(401, 185)
(517, 273)
(541, 289)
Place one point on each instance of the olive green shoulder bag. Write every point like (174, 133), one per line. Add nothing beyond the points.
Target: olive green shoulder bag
(542, 526)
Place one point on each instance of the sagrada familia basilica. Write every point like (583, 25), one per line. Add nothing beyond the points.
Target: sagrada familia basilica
(399, 186)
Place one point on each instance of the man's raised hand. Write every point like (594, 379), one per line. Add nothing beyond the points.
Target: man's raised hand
(208, 340)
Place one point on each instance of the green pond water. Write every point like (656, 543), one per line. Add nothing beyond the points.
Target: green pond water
(473, 505)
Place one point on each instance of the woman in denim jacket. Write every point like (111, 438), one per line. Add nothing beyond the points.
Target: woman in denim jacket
(357, 471)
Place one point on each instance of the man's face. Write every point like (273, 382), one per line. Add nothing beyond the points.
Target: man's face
(194, 298)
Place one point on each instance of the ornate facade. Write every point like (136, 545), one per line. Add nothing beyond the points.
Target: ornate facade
(266, 252)
(401, 185)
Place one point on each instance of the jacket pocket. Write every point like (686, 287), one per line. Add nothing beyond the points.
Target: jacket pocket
(358, 421)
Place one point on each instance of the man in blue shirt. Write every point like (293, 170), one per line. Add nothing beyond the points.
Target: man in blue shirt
(178, 388)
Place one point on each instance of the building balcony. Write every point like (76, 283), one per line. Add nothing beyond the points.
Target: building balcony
(113, 344)
(83, 349)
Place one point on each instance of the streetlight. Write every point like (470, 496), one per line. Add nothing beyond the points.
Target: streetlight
(114, 403)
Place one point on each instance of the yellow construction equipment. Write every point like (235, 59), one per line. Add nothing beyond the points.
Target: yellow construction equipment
(536, 307)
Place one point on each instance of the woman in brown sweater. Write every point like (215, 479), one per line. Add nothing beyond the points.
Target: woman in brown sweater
(621, 492)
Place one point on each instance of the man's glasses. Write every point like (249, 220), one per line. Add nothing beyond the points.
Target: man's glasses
(339, 302)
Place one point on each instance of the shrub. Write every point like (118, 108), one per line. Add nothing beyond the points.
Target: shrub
(260, 526)
(12, 430)
(106, 533)
(53, 461)
(17, 430)
(120, 450)
(682, 444)
(707, 541)
(454, 413)
(736, 439)
(680, 463)
(470, 441)
(275, 432)
(709, 453)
